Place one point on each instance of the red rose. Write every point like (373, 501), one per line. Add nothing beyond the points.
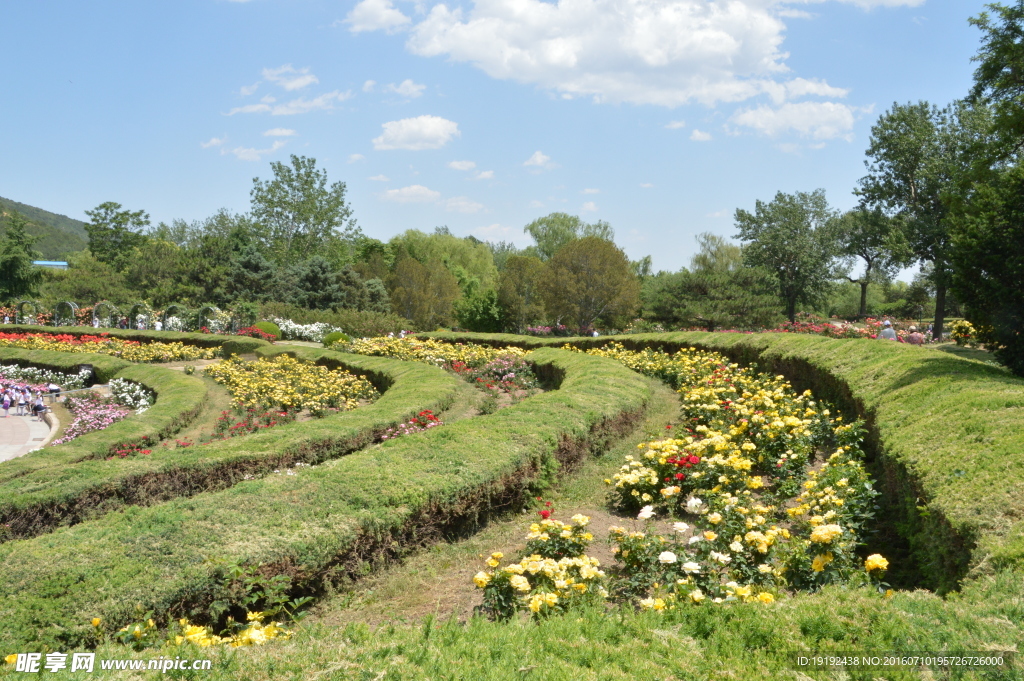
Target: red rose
(545, 514)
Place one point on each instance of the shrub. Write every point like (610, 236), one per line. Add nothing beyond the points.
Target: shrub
(269, 328)
(335, 337)
(255, 332)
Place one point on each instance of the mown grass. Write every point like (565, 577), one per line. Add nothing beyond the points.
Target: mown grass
(323, 525)
(65, 484)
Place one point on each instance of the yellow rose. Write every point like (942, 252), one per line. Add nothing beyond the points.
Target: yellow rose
(876, 562)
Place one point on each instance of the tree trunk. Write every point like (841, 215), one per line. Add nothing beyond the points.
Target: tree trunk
(863, 298)
(940, 310)
(791, 310)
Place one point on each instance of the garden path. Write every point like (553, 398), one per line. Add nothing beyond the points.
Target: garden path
(20, 435)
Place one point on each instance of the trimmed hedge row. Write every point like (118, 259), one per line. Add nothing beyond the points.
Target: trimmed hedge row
(232, 345)
(66, 484)
(104, 367)
(945, 434)
(323, 523)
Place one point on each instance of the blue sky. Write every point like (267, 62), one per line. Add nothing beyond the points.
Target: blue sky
(659, 116)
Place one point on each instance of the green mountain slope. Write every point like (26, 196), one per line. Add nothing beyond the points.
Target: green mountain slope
(58, 235)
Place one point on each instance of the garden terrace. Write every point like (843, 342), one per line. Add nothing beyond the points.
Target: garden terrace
(329, 522)
(944, 437)
(231, 345)
(65, 484)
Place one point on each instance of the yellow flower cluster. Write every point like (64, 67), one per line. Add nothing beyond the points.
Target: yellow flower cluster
(127, 350)
(431, 351)
(256, 633)
(290, 384)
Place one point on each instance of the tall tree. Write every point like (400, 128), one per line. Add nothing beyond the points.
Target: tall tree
(115, 233)
(519, 292)
(999, 78)
(877, 240)
(19, 278)
(589, 279)
(718, 291)
(791, 238)
(423, 293)
(552, 232)
(301, 214)
(252, 275)
(922, 161)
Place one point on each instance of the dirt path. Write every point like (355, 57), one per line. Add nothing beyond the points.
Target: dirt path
(439, 581)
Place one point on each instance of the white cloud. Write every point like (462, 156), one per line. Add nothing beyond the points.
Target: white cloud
(588, 207)
(352, 158)
(251, 154)
(407, 88)
(698, 136)
(214, 142)
(871, 4)
(591, 191)
(496, 232)
(536, 204)
(816, 120)
(539, 160)
(416, 193)
(484, 175)
(376, 15)
(718, 214)
(675, 125)
(461, 165)
(380, 178)
(247, 90)
(280, 132)
(415, 134)
(290, 78)
(301, 105)
(461, 204)
(662, 52)
(646, 185)
(268, 99)
(369, 85)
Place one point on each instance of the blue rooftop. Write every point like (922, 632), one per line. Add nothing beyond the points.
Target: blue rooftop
(58, 264)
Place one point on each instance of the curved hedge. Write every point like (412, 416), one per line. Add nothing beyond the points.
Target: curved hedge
(321, 523)
(104, 367)
(232, 345)
(65, 484)
(945, 434)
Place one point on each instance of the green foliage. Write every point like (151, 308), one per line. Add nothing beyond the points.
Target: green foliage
(1000, 59)
(57, 235)
(87, 281)
(252, 275)
(790, 237)
(377, 298)
(335, 337)
(519, 292)
(115, 233)
(587, 280)
(557, 230)
(469, 260)
(19, 278)
(313, 284)
(299, 214)
(875, 239)
(480, 312)
(988, 259)
(423, 293)
(356, 323)
(269, 327)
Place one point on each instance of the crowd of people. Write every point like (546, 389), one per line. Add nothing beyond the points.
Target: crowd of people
(25, 401)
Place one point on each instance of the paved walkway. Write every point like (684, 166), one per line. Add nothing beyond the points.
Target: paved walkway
(20, 435)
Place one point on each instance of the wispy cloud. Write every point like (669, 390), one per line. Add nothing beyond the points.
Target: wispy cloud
(376, 15)
(247, 90)
(416, 193)
(280, 132)
(416, 134)
(539, 160)
(484, 175)
(214, 142)
(252, 154)
(461, 204)
(352, 158)
(675, 125)
(290, 78)
(588, 207)
(380, 178)
(407, 89)
(461, 165)
(324, 102)
(699, 136)
(591, 191)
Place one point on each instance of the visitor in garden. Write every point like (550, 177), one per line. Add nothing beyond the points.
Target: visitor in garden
(887, 331)
(38, 407)
(915, 337)
(54, 392)
(7, 405)
(22, 400)
(158, 325)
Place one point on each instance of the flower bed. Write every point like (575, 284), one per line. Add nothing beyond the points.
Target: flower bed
(132, 351)
(417, 424)
(305, 332)
(39, 380)
(91, 413)
(508, 373)
(290, 384)
(430, 351)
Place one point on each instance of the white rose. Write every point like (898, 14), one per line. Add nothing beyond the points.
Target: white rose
(667, 557)
(646, 512)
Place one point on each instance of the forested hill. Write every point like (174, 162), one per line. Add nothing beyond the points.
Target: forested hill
(58, 235)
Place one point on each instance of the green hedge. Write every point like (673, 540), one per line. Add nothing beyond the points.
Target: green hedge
(65, 484)
(324, 522)
(237, 345)
(945, 435)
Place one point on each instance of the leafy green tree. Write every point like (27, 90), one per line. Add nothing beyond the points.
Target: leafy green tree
(589, 279)
(19, 278)
(114, 233)
(998, 79)
(423, 293)
(501, 252)
(377, 298)
(86, 282)
(921, 169)
(988, 263)
(790, 237)
(877, 240)
(252, 275)
(718, 291)
(314, 285)
(204, 273)
(555, 231)
(469, 260)
(151, 271)
(480, 312)
(300, 214)
(519, 292)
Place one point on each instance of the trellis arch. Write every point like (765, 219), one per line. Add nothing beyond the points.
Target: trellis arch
(139, 309)
(108, 308)
(20, 309)
(205, 312)
(174, 310)
(65, 314)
